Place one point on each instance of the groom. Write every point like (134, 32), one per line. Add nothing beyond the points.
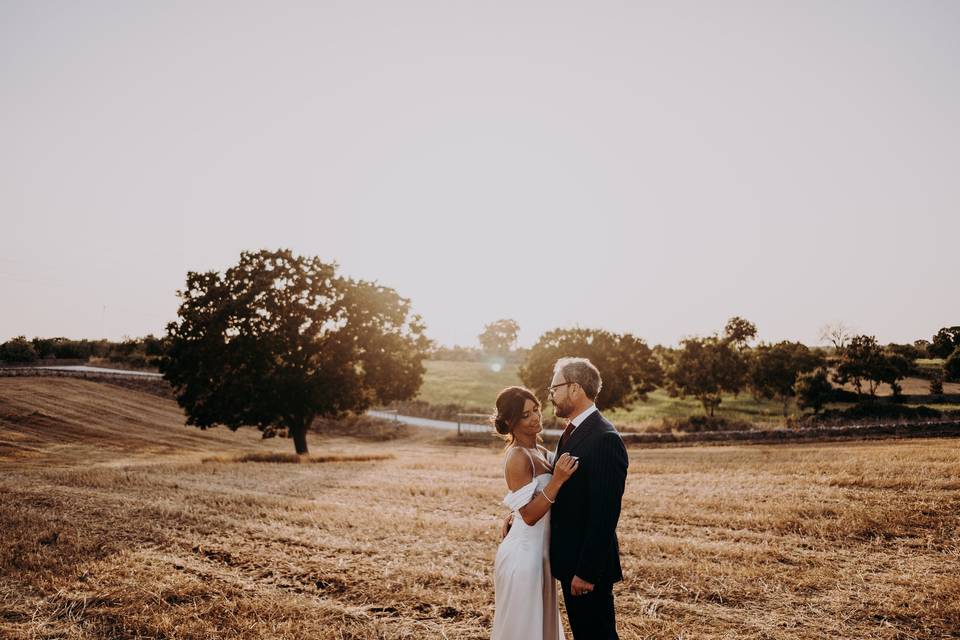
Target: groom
(584, 553)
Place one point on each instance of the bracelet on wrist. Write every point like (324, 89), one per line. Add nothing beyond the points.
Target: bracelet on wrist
(544, 494)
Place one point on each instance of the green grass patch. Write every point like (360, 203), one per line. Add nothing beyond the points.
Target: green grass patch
(660, 405)
(472, 385)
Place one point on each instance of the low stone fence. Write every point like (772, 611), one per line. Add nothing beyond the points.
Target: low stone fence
(928, 429)
(148, 384)
(46, 362)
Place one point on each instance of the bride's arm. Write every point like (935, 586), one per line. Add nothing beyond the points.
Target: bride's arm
(519, 474)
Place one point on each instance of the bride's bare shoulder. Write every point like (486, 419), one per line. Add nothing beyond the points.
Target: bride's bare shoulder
(515, 458)
(517, 469)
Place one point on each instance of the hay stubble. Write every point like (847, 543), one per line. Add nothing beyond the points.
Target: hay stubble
(396, 539)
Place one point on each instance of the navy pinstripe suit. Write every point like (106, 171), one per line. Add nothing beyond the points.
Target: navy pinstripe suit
(583, 523)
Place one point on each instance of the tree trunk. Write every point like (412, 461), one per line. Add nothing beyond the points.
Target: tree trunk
(299, 434)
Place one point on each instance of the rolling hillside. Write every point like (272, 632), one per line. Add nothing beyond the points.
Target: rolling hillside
(65, 417)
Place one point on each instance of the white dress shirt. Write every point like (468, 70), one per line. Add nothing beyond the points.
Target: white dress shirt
(576, 422)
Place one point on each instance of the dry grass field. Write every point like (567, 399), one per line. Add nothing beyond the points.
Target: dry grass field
(116, 521)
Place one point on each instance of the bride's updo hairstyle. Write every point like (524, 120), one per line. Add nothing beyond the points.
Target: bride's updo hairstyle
(510, 403)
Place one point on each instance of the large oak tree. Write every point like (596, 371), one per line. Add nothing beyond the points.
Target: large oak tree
(280, 339)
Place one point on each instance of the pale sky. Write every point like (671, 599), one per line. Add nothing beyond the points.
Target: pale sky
(646, 167)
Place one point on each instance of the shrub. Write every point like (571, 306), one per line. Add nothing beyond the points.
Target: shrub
(813, 389)
(936, 384)
(703, 423)
(880, 410)
(72, 349)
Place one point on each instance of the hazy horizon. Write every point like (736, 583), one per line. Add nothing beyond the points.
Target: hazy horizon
(652, 169)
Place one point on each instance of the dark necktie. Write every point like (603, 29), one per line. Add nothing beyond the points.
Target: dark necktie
(566, 434)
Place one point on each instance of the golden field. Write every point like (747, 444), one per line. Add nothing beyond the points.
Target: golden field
(120, 522)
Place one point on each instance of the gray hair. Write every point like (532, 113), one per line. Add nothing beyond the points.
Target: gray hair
(581, 371)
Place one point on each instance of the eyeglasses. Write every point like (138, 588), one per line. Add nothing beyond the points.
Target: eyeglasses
(553, 388)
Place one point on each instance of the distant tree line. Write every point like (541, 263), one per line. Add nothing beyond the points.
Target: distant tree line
(458, 353)
(729, 363)
(142, 352)
(280, 339)
(497, 342)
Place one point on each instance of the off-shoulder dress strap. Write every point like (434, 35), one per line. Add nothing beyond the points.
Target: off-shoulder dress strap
(533, 466)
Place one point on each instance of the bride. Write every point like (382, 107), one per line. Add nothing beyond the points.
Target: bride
(525, 591)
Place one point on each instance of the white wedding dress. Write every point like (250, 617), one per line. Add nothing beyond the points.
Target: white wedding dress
(525, 592)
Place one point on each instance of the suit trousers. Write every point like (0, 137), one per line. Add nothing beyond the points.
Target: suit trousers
(591, 615)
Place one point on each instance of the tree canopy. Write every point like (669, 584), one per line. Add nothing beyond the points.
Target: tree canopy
(706, 368)
(863, 360)
(279, 339)
(18, 350)
(739, 331)
(945, 342)
(774, 369)
(627, 365)
(836, 333)
(813, 389)
(499, 337)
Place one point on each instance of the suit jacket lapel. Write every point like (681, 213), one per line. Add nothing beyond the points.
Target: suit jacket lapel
(582, 431)
(559, 450)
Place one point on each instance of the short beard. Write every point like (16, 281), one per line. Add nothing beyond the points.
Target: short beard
(562, 411)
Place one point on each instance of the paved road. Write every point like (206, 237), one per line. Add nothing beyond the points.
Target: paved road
(444, 424)
(86, 369)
